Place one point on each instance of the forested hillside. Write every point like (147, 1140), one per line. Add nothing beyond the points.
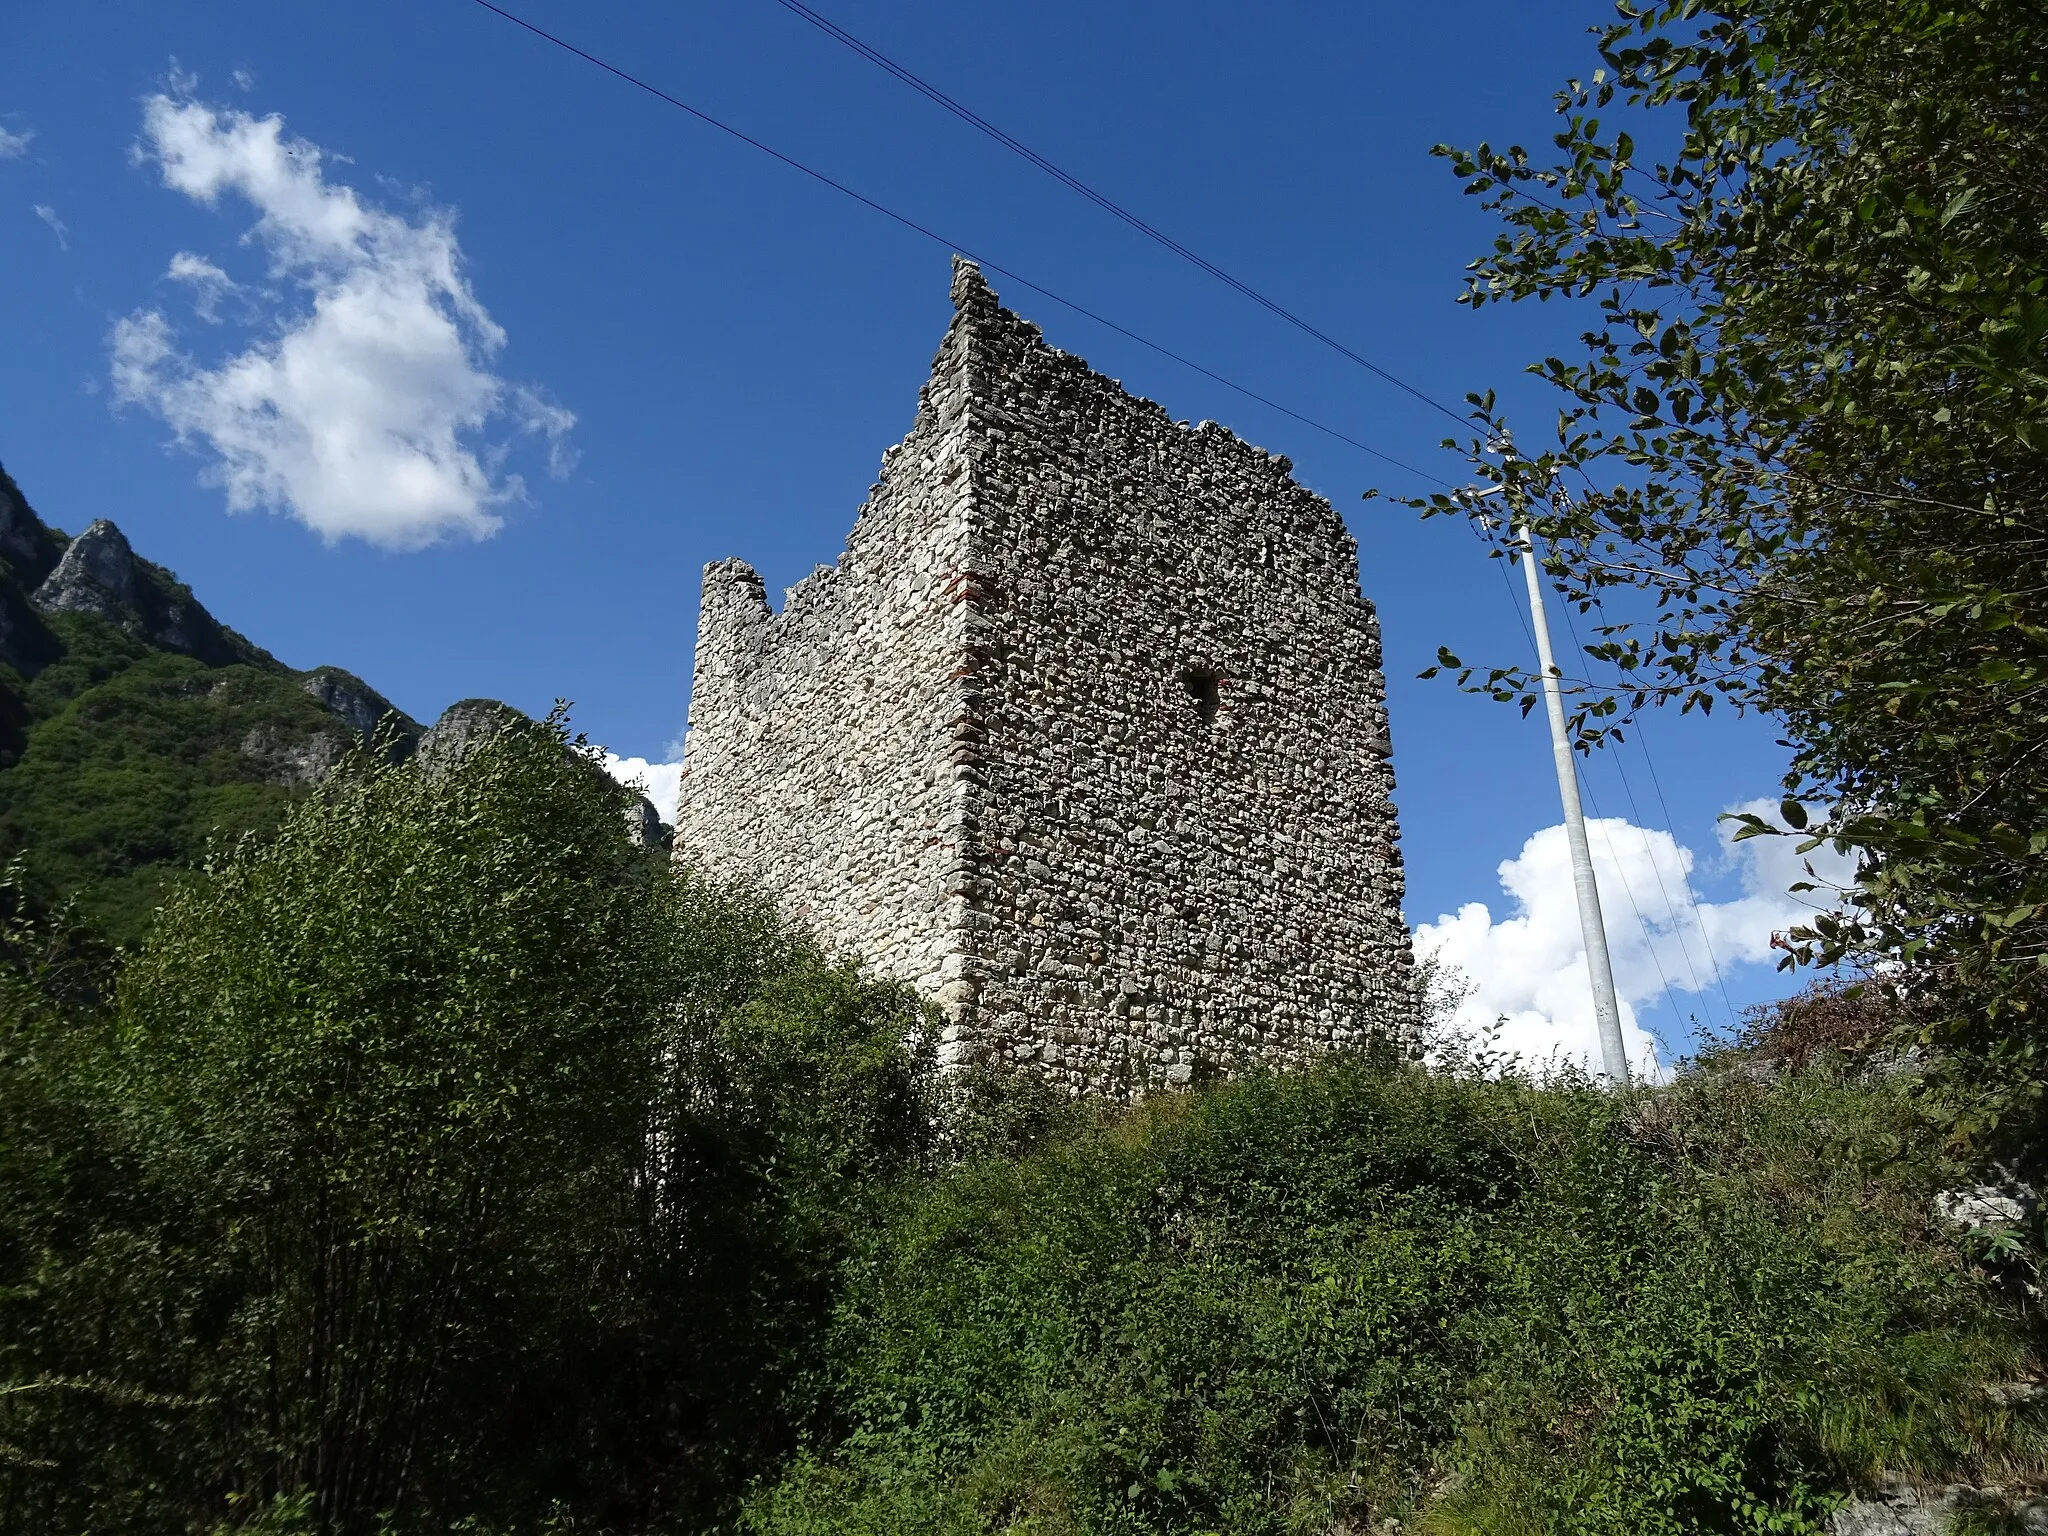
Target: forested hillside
(137, 731)
(135, 728)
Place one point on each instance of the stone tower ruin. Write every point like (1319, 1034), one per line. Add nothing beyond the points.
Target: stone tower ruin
(1085, 735)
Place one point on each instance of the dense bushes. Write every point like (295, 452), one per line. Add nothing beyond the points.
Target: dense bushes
(446, 1162)
(440, 1157)
(1358, 1293)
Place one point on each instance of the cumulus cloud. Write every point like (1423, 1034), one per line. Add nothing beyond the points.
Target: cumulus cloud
(660, 782)
(57, 226)
(14, 145)
(361, 410)
(1528, 967)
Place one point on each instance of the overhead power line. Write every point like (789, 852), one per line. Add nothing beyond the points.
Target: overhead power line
(933, 235)
(1699, 918)
(1108, 205)
(1706, 940)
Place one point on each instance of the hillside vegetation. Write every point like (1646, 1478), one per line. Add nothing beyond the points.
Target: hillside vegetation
(451, 1158)
(134, 758)
(135, 729)
(1310, 1304)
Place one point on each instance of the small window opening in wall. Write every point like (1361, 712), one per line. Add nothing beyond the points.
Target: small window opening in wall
(1205, 688)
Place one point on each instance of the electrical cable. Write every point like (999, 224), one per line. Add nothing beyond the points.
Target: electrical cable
(1116, 210)
(1627, 890)
(1670, 907)
(930, 234)
(1706, 942)
(1698, 917)
(1119, 212)
(1663, 889)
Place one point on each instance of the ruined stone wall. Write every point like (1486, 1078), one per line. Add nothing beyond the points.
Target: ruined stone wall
(817, 757)
(1085, 735)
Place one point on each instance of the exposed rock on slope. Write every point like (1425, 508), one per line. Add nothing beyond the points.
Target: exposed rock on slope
(101, 574)
(1904, 1510)
(468, 722)
(645, 826)
(359, 706)
(463, 726)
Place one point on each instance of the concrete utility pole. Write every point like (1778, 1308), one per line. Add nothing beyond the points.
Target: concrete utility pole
(1613, 1056)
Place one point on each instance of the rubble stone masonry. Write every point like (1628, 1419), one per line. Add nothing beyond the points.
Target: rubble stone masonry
(1085, 735)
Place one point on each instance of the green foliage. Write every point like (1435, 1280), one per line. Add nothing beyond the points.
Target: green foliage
(440, 1157)
(446, 1163)
(135, 759)
(1363, 1293)
(1809, 425)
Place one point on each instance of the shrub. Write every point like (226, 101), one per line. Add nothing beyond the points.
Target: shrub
(441, 1157)
(1298, 1302)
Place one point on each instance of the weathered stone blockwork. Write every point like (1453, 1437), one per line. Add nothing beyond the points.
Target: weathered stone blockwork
(1085, 735)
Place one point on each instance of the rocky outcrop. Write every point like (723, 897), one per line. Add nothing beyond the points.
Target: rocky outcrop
(360, 707)
(468, 723)
(1903, 1510)
(101, 574)
(292, 760)
(463, 727)
(644, 826)
(1988, 1207)
(29, 548)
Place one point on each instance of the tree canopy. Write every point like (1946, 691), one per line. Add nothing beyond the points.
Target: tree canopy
(1802, 460)
(445, 1154)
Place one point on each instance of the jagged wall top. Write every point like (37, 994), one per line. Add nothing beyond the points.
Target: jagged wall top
(1084, 734)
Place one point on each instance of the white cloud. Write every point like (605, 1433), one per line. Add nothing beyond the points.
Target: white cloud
(57, 226)
(1529, 967)
(14, 145)
(244, 80)
(360, 411)
(660, 782)
(538, 414)
(208, 283)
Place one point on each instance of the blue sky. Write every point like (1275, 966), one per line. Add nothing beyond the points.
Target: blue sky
(647, 346)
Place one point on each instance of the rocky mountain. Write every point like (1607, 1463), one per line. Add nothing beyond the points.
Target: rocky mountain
(467, 723)
(135, 727)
